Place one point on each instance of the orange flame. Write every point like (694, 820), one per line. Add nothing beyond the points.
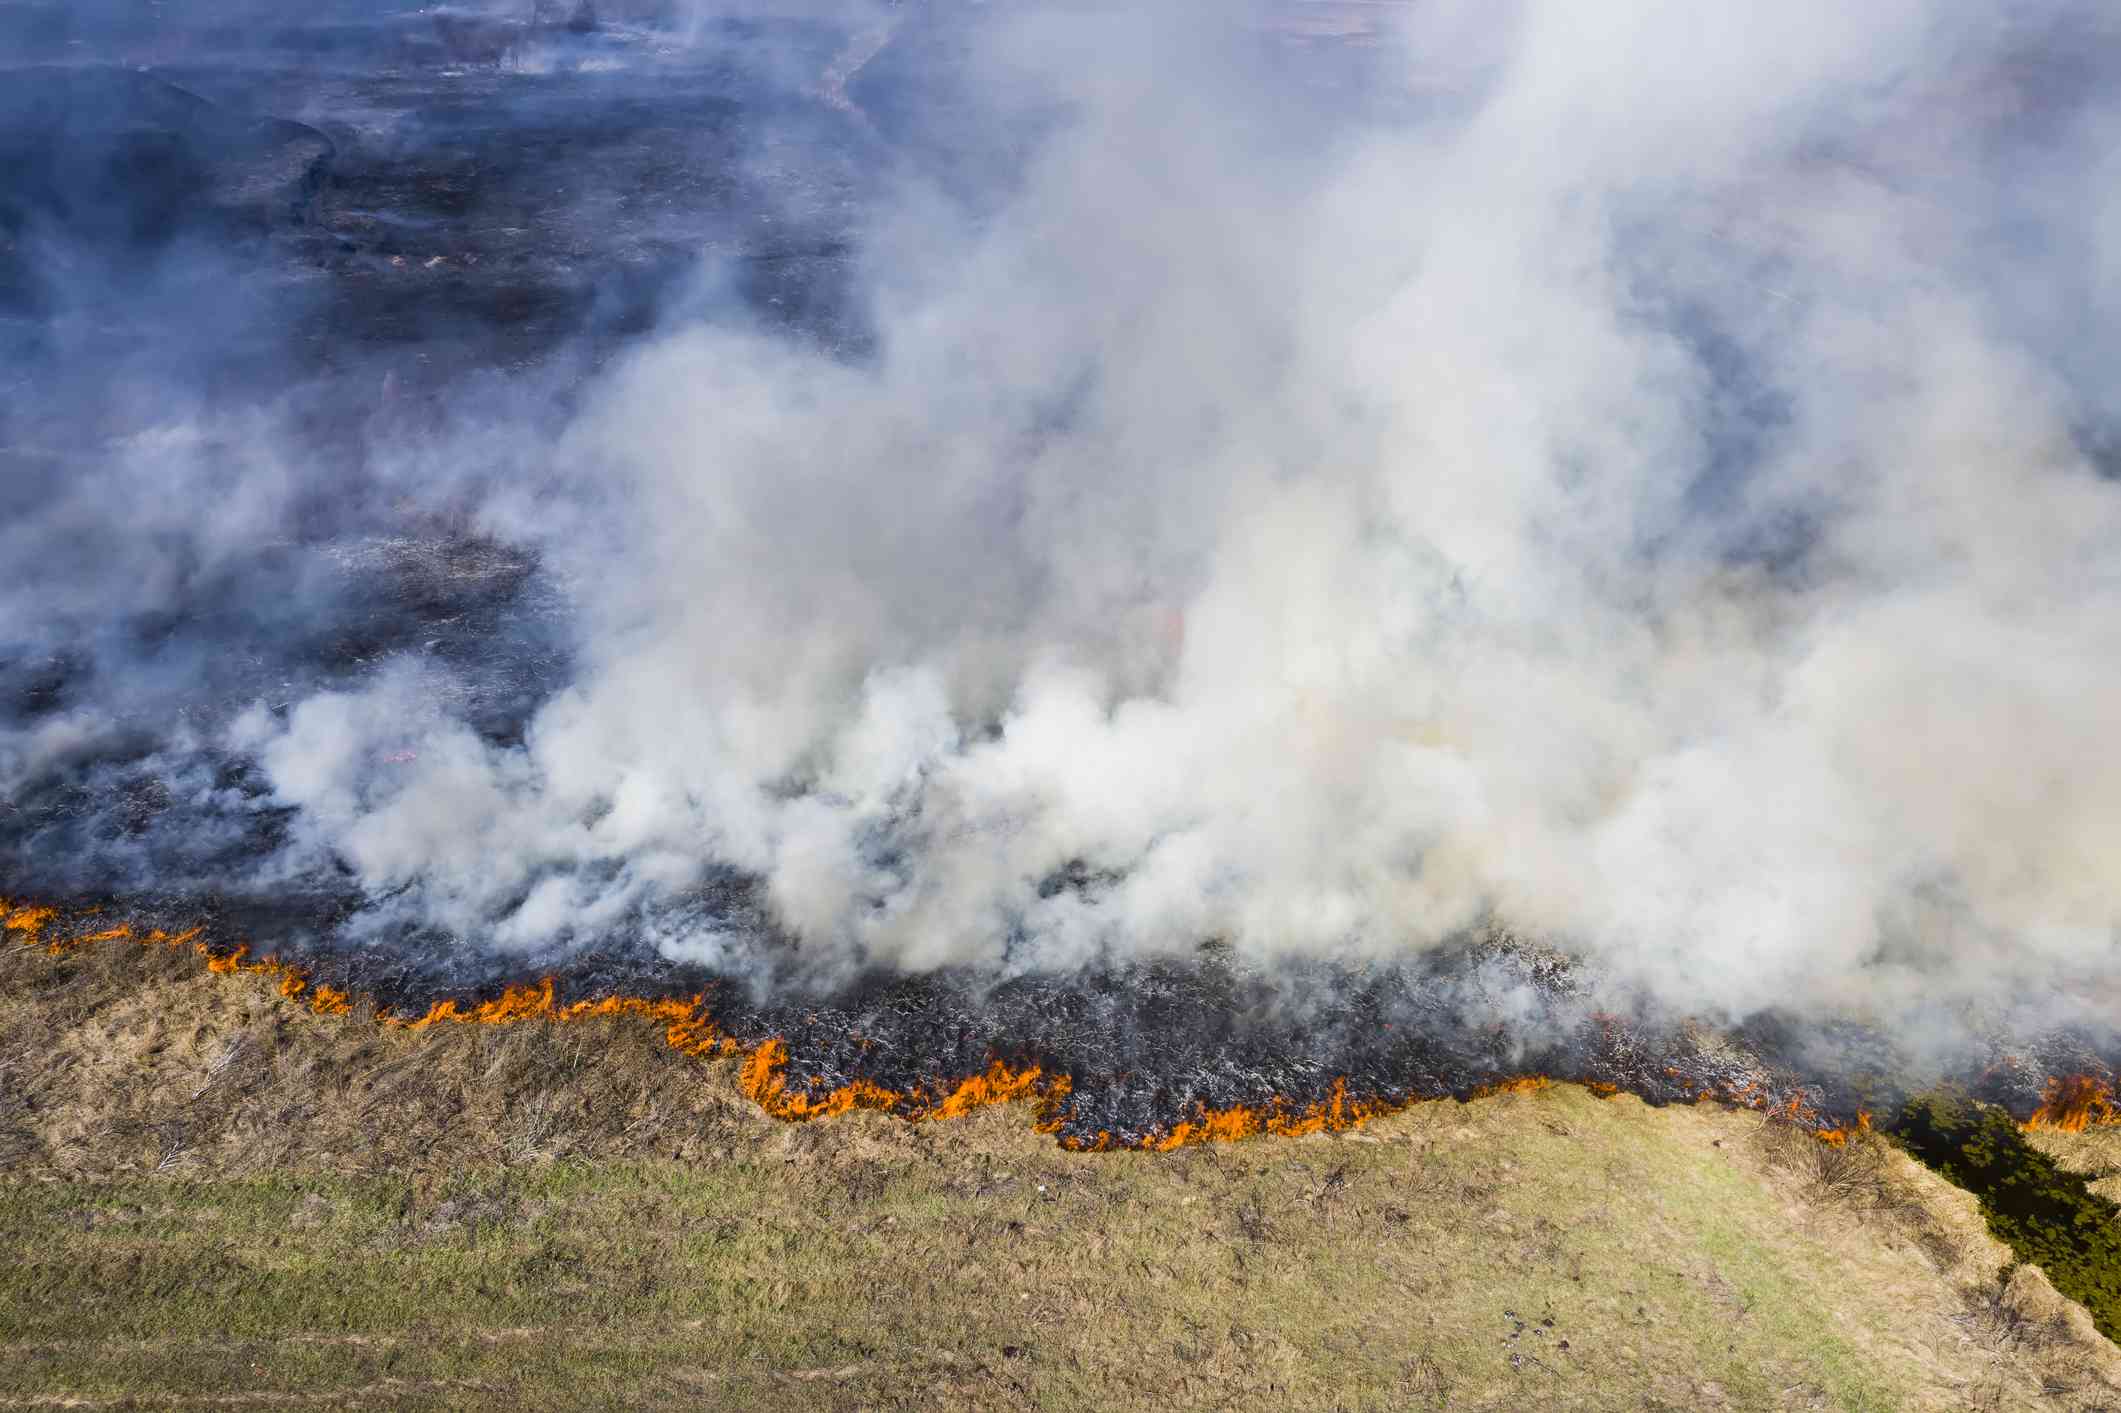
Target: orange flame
(1523, 1084)
(763, 1077)
(1840, 1136)
(1336, 1113)
(763, 1071)
(28, 921)
(2075, 1103)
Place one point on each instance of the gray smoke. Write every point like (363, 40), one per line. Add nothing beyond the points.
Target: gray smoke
(1645, 474)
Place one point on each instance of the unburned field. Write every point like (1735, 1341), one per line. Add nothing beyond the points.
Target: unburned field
(214, 1197)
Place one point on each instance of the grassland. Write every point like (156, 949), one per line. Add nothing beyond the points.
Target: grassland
(212, 1198)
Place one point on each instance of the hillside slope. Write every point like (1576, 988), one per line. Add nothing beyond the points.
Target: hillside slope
(214, 1197)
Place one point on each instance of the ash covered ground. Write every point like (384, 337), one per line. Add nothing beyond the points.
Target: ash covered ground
(387, 230)
(382, 207)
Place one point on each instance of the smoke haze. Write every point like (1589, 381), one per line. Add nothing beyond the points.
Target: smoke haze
(1011, 487)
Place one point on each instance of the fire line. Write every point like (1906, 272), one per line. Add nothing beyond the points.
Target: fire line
(2072, 1103)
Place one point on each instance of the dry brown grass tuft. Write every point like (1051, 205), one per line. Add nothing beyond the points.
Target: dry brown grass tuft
(2094, 1152)
(1863, 1176)
(118, 1060)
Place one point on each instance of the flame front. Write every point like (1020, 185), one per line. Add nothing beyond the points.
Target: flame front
(764, 1077)
(2071, 1104)
(2075, 1103)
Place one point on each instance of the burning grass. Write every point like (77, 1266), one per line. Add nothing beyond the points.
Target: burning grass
(763, 1074)
(2074, 1103)
(1117, 1112)
(212, 1189)
(1542, 1250)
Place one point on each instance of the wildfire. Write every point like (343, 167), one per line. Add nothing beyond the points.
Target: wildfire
(1335, 1113)
(1523, 1084)
(687, 1028)
(2075, 1103)
(764, 1074)
(763, 1071)
(28, 921)
(1840, 1136)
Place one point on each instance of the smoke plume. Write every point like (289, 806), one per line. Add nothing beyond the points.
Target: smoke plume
(1018, 487)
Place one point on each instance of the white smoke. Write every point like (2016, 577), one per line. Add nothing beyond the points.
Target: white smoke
(1623, 489)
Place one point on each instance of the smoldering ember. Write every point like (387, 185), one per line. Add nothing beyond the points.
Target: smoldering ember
(1348, 558)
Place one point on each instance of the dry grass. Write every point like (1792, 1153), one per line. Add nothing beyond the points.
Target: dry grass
(123, 1059)
(212, 1196)
(1864, 1176)
(2095, 1152)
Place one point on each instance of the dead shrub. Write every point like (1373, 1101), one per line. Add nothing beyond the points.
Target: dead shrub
(1856, 1176)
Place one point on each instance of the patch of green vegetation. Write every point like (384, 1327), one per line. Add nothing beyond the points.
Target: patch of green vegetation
(2046, 1214)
